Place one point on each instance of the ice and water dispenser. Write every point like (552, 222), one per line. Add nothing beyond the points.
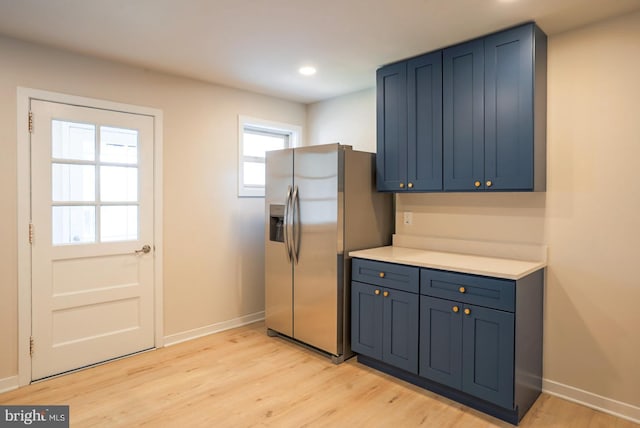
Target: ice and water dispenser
(276, 223)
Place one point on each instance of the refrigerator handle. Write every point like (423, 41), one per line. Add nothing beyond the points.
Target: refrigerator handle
(295, 239)
(287, 207)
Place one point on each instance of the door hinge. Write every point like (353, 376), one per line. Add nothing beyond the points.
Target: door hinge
(30, 122)
(31, 346)
(30, 233)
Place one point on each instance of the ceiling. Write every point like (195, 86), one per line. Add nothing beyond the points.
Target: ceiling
(259, 45)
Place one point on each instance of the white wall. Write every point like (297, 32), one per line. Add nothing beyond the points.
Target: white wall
(339, 120)
(213, 254)
(589, 216)
(593, 206)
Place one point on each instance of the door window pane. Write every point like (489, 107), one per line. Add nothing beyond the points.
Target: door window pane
(73, 225)
(73, 182)
(70, 140)
(119, 223)
(84, 172)
(118, 184)
(118, 145)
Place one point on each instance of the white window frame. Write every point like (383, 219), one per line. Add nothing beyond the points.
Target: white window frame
(294, 133)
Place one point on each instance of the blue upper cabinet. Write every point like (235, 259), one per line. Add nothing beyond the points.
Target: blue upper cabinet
(463, 105)
(494, 97)
(410, 125)
(392, 127)
(424, 159)
(471, 117)
(515, 109)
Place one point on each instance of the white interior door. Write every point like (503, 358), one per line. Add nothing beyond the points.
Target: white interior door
(92, 215)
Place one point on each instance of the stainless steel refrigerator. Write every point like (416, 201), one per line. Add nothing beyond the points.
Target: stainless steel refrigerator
(321, 203)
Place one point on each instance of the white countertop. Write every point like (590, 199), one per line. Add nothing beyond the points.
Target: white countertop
(457, 262)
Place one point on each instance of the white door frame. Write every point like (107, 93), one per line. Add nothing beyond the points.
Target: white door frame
(24, 96)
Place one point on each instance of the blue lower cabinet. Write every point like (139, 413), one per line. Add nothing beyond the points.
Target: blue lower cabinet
(468, 348)
(366, 320)
(474, 339)
(384, 325)
(400, 329)
(487, 354)
(441, 341)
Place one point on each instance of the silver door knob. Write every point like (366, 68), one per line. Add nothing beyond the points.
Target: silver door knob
(144, 250)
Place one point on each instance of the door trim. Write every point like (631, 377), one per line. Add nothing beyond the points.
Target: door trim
(24, 96)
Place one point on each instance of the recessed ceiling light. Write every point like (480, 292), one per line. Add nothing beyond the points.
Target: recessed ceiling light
(307, 71)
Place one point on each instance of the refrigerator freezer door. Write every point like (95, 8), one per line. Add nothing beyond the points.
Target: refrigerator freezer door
(316, 277)
(279, 270)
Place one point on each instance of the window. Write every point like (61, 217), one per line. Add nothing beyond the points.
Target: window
(256, 138)
(94, 183)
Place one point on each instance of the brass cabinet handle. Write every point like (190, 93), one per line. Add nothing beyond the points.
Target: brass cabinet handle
(402, 185)
(410, 185)
(467, 311)
(385, 294)
(376, 292)
(489, 183)
(462, 290)
(455, 309)
(381, 274)
(477, 183)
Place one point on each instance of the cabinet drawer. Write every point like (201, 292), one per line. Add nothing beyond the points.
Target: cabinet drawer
(476, 290)
(399, 277)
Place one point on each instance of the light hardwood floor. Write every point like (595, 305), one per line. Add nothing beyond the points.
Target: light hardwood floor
(243, 378)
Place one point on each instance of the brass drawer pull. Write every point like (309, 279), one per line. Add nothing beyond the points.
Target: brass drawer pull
(462, 290)
(376, 292)
(467, 311)
(455, 309)
(381, 274)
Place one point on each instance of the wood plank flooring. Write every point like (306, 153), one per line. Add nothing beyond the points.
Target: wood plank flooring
(243, 378)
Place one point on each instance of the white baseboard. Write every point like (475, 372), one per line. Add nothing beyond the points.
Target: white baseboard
(595, 401)
(9, 384)
(174, 339)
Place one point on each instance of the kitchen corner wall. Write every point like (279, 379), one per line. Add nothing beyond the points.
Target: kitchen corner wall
(341, 120)
(213, 240)
(589, 216)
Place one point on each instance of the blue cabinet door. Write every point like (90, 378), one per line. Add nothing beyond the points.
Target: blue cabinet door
(391, 159)
(488, 354)
(366, 319)
(424, 94)
(463, 116)
(509, 124)
(400, 329)
(441, 341)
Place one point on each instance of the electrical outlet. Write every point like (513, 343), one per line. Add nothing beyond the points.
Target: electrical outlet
(408, 218)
